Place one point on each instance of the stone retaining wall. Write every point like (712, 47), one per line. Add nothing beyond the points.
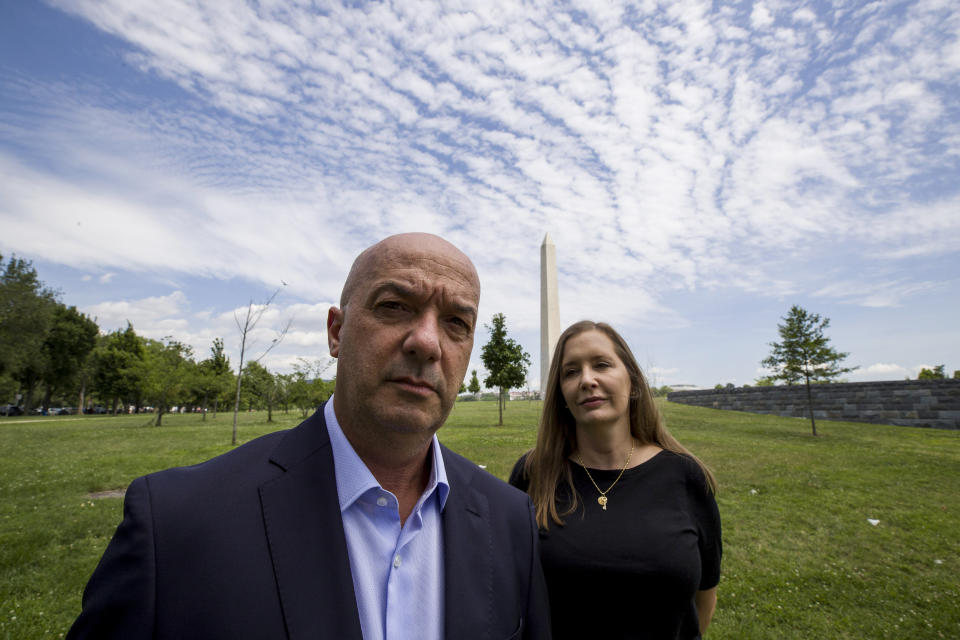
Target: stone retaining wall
(912, 403)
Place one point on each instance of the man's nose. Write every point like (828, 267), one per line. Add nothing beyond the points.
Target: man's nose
(423, 340)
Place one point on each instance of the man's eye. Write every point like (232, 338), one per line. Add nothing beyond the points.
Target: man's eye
(392, 305)
(461, 324)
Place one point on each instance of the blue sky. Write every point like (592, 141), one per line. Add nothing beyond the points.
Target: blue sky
(700, 166)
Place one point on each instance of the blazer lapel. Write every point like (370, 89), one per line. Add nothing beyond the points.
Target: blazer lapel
(301, 514)
(468, 558)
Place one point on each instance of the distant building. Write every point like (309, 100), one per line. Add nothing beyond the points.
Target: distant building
(686, 387)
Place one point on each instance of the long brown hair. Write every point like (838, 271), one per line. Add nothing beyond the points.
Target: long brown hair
(548, 464)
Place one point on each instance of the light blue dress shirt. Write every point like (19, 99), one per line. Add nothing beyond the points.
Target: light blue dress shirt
(397, 571)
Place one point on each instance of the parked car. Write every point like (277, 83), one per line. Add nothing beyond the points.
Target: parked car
(61, 411)
(96, 410)
(10, 410)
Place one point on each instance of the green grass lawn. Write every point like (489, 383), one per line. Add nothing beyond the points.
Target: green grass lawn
(801, 560)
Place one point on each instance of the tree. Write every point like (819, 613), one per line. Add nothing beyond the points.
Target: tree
(26, 313)
(937, 373)
(504, 359)
(474, 386)
(661, 392)
(117, 367)
(262, 386)
(250, 322)
(308, 390)
(804, 354)
(214, 377)
(70, 340)
(166, 371)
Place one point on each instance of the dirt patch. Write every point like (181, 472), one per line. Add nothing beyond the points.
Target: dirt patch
(109, 493)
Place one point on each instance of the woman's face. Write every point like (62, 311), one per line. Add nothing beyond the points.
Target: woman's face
(594, 381)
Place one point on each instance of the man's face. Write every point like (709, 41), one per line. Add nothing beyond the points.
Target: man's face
(404, 337)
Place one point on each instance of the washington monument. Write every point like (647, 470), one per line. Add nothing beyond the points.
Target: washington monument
(549, 308)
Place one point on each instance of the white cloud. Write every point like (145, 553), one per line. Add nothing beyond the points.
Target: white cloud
(887, 371)
(154, 317)
(873, 293)
(760, 17)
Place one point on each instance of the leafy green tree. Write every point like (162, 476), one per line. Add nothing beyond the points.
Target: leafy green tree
(937, 373)
(214, 378)
(262, 386)
(26, 313)
(956, 374)
(661, 392)
(71, 339)
(118, 367)
(504, 359)
(804, 353)
(308, 389)
(474, 386)
(166, 370)
(284, 385)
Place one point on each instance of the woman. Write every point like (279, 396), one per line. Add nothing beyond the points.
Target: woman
(629, 528)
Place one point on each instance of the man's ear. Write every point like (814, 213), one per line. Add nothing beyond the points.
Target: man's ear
(334, 325)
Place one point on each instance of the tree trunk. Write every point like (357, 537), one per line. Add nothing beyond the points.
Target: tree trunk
(204, 410)
(216, 401)
(28, 396)
(500, 405)
(83, 391)
(813, 422)
(269, 412)
(236, 406)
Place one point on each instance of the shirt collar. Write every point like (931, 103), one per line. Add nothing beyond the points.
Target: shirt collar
(354, 478)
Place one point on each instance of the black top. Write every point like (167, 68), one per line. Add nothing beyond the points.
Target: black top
(631, 571)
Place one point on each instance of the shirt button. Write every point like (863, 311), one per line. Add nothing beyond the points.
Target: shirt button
(396, 561)
(382, 501)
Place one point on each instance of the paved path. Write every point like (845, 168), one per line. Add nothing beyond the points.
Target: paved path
(5, 420)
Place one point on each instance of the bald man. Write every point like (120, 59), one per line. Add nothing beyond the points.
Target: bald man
(355, 524)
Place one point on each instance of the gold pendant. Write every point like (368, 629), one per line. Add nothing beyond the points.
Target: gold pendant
(603, 502)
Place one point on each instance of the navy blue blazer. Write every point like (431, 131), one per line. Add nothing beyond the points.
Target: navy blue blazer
(250, 544)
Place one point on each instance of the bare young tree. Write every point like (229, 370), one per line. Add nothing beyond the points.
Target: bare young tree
(254, 314)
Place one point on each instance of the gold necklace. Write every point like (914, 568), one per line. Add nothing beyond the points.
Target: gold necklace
(602, 500)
